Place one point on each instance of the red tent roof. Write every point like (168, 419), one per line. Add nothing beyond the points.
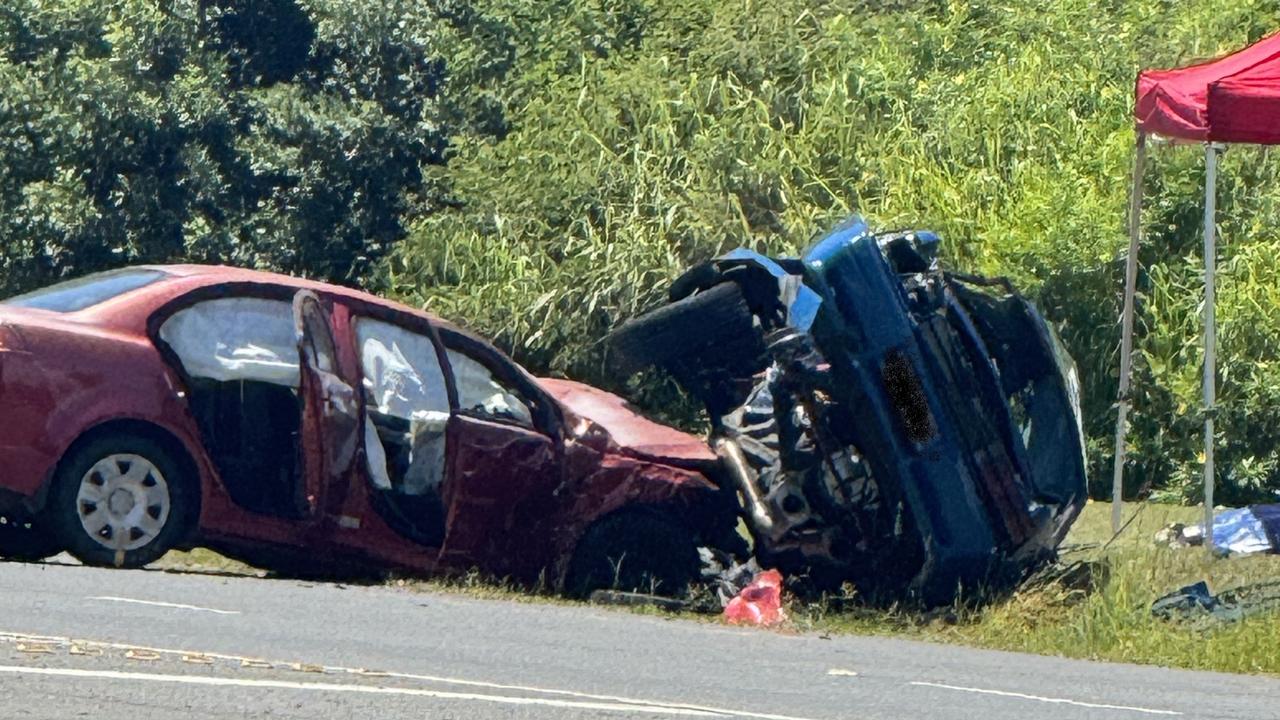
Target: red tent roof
(1232, 99)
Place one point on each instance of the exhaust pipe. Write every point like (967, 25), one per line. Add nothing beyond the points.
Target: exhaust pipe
(729, 451)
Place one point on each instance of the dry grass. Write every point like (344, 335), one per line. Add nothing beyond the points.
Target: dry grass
(206, 561)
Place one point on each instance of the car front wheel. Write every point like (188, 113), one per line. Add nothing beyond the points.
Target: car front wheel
(634, 551)
(120, 501)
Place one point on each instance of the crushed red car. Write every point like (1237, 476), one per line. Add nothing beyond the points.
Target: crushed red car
(304, 426)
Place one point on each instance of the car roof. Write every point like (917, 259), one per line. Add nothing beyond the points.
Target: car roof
(207, 275)
(133, 310)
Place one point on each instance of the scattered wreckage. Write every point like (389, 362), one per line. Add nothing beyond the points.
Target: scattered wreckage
(883, 422)
(1237, 532)
(1196, 604)
(312, 428)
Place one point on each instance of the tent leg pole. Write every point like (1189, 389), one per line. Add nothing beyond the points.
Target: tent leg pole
(1210, 332)
(1126, 334)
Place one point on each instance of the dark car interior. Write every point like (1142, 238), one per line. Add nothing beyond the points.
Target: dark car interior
(240, 361)
(419, 516)
(241, 376)
(251, 431)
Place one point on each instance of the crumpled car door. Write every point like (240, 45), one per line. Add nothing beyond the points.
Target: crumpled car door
(330, 416)
(499, 489)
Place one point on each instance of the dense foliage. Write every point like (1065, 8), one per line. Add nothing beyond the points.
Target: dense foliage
(596, 147)
(264, 133)
(649, 135)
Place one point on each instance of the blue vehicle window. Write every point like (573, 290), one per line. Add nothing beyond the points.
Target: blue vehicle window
(85, 292)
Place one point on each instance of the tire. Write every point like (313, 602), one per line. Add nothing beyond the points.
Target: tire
(634, 552)
(23, 540)
(121, 500)
(714, 327)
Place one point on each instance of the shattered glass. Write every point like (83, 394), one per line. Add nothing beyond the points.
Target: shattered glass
(478, 390)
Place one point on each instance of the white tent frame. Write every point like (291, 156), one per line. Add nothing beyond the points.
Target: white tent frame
(1124, 402)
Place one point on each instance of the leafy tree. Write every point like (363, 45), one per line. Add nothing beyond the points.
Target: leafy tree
(265, 133)
(541, 169)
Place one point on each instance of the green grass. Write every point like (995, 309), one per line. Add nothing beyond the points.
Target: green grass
(1113, 622)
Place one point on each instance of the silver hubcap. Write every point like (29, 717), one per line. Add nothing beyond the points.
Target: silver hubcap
(123, 502)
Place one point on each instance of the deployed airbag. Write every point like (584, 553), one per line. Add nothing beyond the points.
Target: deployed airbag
(230, 339)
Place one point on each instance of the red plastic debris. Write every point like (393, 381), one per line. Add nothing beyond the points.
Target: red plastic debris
(759, 603)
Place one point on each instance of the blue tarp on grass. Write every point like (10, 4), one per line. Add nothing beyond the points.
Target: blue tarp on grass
(1248, 530)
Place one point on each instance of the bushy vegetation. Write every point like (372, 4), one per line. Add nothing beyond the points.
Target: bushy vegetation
(646, 136)
(595, 148)
(265, 133)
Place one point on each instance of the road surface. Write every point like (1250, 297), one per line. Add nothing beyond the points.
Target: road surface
(116, 645)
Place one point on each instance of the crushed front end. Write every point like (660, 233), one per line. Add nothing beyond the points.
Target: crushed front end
(886, 423)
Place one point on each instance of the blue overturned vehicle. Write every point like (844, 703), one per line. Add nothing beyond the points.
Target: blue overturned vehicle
(882, 422)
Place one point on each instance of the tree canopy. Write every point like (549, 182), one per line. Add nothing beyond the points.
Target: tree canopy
(264, 133)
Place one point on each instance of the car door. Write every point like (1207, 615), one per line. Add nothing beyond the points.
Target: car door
(407, 406)
(330, 411)
(502, 471)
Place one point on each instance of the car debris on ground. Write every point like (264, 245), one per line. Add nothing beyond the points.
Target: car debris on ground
(883, 422)
(1197, 604)
(759, 603)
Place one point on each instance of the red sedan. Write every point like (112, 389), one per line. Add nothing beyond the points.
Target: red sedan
(299, 425)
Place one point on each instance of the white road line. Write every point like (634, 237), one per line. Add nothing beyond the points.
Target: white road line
(178, 606)
(719, 712)
(716, 711)
(1056, 701)
(338, 688)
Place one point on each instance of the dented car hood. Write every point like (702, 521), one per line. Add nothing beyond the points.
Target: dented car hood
(631, 433)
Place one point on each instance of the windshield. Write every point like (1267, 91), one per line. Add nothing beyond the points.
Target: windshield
(85, 292)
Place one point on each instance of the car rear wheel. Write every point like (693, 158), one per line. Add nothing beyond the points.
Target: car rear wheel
(120, 501)
(634, 552)
(23, 540)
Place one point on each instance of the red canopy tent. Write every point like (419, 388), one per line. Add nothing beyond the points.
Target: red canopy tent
(1234, 99)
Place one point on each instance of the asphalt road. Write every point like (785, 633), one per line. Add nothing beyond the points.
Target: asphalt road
(115, 645)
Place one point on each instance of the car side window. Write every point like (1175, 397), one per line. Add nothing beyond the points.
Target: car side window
(402, 375)
(407, 409)
(235, 338)
(482, 393)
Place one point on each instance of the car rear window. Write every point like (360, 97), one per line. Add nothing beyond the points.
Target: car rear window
(85, 292)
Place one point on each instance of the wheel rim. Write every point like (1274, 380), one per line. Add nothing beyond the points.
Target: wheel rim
(123, 502)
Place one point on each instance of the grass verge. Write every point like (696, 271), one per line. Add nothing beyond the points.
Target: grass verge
(1113, 622)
